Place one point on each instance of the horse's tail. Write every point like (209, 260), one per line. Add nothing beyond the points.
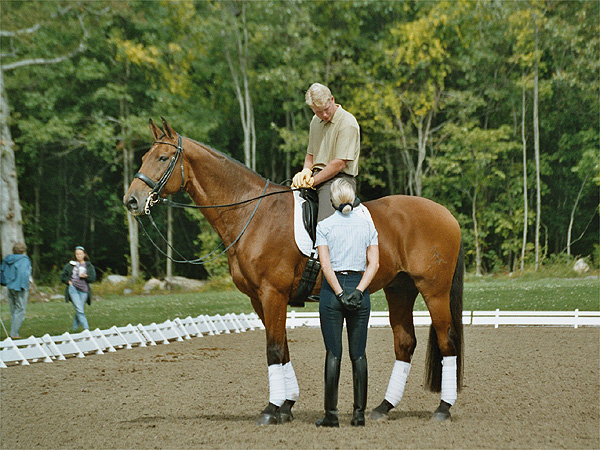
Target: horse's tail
(433, 377)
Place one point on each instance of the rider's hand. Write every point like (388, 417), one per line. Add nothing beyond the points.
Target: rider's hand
(303, 179)
(350, 300)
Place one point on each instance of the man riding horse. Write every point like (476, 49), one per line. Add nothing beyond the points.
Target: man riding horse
(333, 147)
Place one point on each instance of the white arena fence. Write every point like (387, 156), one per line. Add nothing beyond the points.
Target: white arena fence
(49, 348)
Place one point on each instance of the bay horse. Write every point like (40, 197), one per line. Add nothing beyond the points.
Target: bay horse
(420, 251)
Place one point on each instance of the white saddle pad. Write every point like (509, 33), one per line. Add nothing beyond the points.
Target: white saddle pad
(303, 240)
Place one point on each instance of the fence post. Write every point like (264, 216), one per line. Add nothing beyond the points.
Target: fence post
(497, 318)
(576, 318)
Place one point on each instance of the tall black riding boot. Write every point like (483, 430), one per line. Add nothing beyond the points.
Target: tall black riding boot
(359, 376)
(332, 379)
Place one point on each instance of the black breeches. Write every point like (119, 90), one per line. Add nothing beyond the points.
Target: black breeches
(332, 315)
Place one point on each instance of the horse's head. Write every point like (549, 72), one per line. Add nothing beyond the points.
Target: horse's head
(162, 171)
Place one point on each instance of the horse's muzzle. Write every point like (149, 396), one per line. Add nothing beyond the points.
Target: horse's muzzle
(132, 205)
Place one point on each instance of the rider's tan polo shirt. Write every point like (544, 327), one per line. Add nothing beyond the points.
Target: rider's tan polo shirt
(337, 139)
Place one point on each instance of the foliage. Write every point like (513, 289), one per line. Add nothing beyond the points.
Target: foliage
(435, 86)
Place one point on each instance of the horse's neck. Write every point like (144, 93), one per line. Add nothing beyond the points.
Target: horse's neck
(215, 179)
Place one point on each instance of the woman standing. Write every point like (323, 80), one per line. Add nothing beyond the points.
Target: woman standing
(77, 275)
(15, 273)
(349, 255)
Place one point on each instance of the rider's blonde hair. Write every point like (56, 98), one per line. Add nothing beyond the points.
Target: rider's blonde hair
(318, 96)
(342, 192)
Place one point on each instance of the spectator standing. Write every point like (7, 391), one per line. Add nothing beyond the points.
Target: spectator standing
(77, 275)
(15, 274)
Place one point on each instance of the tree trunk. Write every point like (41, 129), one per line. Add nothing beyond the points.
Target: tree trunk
(36, 255)
(536, 142)
(421, 154)
(390, 163)
(408, 162)
(11, 220)
(478, 258)
(244, 97)
(132, 225)
(572, 220)
(423, 124)
(525, 200)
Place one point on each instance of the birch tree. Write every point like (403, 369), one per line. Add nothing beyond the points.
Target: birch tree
(235, 33)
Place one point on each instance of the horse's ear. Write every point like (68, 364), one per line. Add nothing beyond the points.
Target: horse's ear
(168, 130)
(155, 131)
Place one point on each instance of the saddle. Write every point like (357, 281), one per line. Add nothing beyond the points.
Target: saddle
(310, 209)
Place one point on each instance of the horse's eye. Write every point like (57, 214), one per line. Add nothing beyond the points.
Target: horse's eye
(163, 158)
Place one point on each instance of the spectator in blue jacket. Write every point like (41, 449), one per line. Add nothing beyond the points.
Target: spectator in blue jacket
(15, 274)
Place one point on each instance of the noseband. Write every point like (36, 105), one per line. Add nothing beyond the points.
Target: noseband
(157, 187)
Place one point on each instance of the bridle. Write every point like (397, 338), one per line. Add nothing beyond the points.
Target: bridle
(157, 187)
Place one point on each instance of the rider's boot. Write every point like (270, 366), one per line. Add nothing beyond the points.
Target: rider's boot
(332, 379)
(359, 376)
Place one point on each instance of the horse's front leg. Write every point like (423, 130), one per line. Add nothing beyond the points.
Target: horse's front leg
(283, 385)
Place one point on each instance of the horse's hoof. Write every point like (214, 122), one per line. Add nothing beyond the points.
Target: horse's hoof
(268, 419)
(442, 413)
(441, 417)
(269, 416)
(377, 416)
(380, 413)
(286, 417)
(285, 411)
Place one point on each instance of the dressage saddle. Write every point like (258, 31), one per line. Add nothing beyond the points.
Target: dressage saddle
(310, 209)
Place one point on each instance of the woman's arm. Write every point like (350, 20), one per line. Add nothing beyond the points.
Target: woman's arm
(66, 274)
(91, 272)
(372, 267)
(328, 272)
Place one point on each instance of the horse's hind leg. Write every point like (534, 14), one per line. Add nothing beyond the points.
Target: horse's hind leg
(444, 351)
(401, 299)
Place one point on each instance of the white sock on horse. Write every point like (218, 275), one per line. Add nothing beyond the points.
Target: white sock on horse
(276, 384)
(449, 391)
(395, 389)
(292, 390)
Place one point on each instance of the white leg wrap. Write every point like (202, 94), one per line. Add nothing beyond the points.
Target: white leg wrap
(449, 394)
(276, 384)
(395, 389)
(292, 390)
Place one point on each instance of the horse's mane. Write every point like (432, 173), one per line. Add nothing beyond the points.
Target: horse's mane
(229, 158)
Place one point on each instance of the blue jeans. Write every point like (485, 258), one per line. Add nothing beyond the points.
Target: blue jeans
(78, 298)
(332, 315)
(18, 305)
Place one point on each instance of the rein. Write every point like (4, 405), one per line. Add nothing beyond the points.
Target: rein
(155, 198)
(201, 260)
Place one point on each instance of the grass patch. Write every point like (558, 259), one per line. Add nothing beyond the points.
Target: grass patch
(56, 317)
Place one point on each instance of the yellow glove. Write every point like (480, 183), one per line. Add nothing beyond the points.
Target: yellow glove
(303, 179)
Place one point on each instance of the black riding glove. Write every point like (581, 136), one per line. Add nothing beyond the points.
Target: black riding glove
(350, 300)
